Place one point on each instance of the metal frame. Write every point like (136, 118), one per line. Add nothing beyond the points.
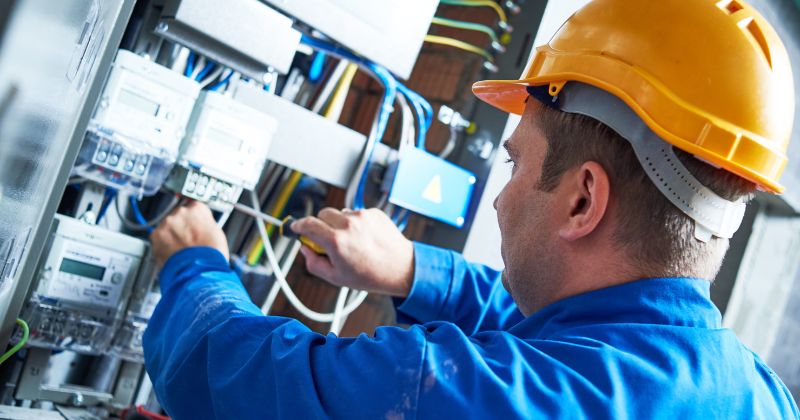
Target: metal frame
(41, 229)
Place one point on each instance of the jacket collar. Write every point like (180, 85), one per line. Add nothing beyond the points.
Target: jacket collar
(682, 302)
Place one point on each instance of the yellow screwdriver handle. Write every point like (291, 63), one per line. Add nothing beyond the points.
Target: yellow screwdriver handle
(286, 230)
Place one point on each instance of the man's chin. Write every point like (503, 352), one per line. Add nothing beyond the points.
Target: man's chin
(504, 280)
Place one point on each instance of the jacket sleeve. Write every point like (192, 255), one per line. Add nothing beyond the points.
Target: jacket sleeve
(211, 353)
(448, 288)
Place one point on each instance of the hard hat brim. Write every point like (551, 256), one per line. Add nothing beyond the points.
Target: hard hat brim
(505, 95)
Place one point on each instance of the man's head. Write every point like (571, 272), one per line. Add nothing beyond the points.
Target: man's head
(580, 212)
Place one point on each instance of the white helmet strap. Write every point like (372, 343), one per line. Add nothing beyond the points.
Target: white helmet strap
(712, 214)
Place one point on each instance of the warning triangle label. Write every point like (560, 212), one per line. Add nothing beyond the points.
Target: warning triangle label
(433, 192)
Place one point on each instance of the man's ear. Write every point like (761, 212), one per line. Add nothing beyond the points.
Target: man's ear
(588, 191)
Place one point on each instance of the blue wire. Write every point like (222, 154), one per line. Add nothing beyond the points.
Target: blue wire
(207, 69)
(426, 106)
(317, 65)
(400, 222)
(138, 214)
(108, 197)
(389, 95)
(215, 87)
(423, 110)
(404, 222)
(190, 64)
(421, 106)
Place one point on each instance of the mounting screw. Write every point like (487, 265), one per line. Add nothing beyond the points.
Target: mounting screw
(513, 7)
(481, 146)
(162, 27)
(76, 399)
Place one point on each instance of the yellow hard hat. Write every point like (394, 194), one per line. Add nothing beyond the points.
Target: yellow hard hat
(710, 77)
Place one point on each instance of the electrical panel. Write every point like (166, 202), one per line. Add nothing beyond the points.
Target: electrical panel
(262, 40)
(388, 32)
(224, 150)
(308, 142)
(127, 343)
(137, 128)
(204, 100)
(84, 281)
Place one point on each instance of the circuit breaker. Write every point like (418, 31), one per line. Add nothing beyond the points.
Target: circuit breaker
(224, 151)
(84, 282)
(137, 128)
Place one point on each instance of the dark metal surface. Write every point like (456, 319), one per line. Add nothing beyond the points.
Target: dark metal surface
(6, 8)
(784, 15)
(490, 122)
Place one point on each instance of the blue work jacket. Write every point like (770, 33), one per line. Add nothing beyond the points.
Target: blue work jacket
(649, 349)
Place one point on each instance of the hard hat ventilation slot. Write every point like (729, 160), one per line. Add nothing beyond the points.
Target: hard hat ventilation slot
(730, 6)
(751, 26)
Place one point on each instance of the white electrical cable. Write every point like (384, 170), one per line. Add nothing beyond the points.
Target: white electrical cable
(408, 130)
(327, 90)
(276, 286)
(211, 77)
(451, 144)
(280, 277)
(288, 261)
(180, 60)
(338, 317)
(198, 66)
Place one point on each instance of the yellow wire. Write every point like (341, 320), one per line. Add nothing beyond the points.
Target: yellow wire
(333, 111)
(436, 39)
(280, 204)
(488, 3)
(470, 26)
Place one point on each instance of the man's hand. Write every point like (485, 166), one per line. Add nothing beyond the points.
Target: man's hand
(364, 251)
(187, 226)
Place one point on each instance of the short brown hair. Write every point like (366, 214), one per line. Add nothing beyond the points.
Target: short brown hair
(653, 232)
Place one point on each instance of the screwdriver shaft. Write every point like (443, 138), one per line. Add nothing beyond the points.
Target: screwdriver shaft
(253, 213)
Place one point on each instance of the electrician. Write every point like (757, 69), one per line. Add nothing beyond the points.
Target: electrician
(645, 126)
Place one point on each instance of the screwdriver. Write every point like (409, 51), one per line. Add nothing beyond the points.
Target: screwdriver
(287, 222)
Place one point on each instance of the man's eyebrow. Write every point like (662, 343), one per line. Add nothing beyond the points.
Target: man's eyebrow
(512, 151)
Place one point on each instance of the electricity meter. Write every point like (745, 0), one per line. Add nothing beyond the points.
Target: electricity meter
(127, 343)
(137, 128)
(84, 282)
(224, 150)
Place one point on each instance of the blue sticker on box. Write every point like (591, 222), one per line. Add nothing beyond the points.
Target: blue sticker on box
(433, 187)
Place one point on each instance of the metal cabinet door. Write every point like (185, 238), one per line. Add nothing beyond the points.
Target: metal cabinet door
(53, 57)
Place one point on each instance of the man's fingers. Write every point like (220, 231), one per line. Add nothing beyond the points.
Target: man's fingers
(316, 264)
(199, 208)
(316, 230)
(176, 223)
(334, 217)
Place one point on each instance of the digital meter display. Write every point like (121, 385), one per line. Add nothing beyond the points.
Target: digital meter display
(224, 139)
(82, 269)
(138, 102)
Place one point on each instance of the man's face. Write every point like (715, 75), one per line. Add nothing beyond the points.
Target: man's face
(525, 217)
